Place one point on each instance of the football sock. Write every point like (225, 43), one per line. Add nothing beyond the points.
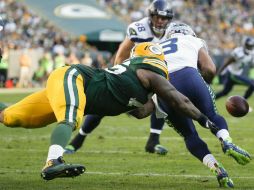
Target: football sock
(55, 151)
(91, 122)
(78, 141)
(210, 161)
(62, 134)
(222, 134)
(154, 137)
(81, 132)
(156, 124)
(155, 131)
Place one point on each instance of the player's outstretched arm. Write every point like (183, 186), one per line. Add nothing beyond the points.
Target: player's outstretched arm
(228, 62)
(123, 51)
(144, 111)
(172, 97)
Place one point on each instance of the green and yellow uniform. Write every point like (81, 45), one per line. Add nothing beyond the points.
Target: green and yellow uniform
(74, 91)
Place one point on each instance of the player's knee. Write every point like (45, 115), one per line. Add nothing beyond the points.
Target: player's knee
(72, 125)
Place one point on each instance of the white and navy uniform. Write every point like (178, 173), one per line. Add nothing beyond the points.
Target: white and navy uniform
(236, 72)
(242, 61)
(140, 31)
(181, 55)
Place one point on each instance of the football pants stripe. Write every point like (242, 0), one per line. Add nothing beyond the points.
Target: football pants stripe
(71, 95)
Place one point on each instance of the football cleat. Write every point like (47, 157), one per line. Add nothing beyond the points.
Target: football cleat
(241, 156)
(222, 177)
(159, 149)
(69, 149)
(57, 168)
(153, 145)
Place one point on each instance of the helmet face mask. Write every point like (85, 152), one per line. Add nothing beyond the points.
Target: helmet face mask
(160, 14)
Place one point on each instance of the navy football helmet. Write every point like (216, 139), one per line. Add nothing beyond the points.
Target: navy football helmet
(180, 28)
(160, 8)
(249, 45)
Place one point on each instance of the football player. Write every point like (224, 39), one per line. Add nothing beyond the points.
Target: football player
(74, 91)
(185, 55)
(240, 59)
(149, 29)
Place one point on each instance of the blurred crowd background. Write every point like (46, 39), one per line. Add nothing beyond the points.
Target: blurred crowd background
(28, 39)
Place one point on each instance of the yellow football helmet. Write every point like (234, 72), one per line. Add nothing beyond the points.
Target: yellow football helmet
(152, 54)
(147, 49)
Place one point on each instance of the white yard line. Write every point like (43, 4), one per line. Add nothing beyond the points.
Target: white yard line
(4, 170)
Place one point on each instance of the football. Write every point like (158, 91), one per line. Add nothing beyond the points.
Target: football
(237, 106)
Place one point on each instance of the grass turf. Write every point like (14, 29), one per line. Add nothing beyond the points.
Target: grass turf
(115, 159)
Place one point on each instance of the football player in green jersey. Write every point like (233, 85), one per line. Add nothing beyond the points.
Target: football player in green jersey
(74, 91)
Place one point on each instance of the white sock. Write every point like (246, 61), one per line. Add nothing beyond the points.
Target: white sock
(210, 161)
(222, 134)
(82, 132)
(55, 151)
(155, 131)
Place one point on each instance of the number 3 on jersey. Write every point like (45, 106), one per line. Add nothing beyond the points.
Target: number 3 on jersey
(170, 46)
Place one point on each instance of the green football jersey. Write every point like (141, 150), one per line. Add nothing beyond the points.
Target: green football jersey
(117, 89)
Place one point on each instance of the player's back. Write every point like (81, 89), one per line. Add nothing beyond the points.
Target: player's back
(181, 51)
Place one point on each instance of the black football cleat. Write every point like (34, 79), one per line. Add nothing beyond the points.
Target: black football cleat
(57, 168)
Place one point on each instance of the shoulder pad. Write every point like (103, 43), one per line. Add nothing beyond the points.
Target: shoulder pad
(139, 31)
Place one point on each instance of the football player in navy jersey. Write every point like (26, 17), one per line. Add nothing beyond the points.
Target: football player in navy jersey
(149, 29)
(190, 69)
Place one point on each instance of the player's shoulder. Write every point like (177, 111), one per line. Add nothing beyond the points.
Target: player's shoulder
(237, 52)
(142, 22)
(193, 41)
(139, 31)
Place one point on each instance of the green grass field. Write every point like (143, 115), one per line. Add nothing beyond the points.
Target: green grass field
(115, 159)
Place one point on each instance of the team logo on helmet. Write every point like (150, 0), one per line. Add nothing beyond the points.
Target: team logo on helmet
(147, 49)
(180, 28)
(155, 49)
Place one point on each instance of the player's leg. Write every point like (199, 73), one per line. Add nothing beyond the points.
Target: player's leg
(65, 92)
(90, 123)
(33, 111)
(197, 147)
(153, 142)
(227, 87)
(206, 104)
(246, 82)
(248, 92)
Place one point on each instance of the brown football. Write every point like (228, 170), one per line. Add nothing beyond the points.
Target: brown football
(237, 106)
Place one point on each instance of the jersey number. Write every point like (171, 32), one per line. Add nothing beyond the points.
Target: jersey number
(140, 27)
(170, 46)
(118, 69)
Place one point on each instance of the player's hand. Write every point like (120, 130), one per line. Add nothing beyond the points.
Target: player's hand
(206, 123)
(210, 125)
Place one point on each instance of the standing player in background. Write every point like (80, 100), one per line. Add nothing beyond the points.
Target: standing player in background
(149, 29)
(185, 54)
(240, 59)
